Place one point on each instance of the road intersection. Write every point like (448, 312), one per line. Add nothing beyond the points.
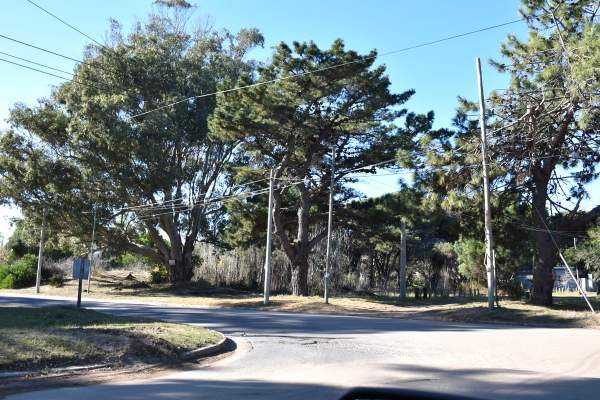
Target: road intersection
(310, 356)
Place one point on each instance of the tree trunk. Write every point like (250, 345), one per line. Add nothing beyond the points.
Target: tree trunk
(543, 274)
(183, 270)
(299, 281)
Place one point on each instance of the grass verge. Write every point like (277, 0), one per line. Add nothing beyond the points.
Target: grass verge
(39, 338)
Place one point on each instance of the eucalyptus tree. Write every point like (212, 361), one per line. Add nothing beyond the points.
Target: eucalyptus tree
(119, 136)
(303, 103)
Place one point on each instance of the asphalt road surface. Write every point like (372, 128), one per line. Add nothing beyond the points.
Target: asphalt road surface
(307, 356)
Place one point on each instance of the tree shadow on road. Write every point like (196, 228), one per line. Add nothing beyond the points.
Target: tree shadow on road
(469, 382)
(503, 383)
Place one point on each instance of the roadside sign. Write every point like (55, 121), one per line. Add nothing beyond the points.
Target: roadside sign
(77, 264)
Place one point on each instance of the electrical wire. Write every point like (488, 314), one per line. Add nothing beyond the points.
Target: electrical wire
(166, 202)
(41, 49)
(36, 63)
(47, 73)
(368, 58)
(64, 22)
(218, 199)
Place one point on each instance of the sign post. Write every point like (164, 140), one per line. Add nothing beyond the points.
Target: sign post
(81, 271)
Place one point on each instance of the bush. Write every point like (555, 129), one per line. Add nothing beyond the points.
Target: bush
(24, 271)
(159, 274)
(20, 274)
(3, 271)
(515, 290)
(4, 276)
(130, 261)
(56, 280)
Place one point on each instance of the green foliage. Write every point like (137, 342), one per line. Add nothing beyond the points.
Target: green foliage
(20, 274)
(159, 274)
(470, 254)
(515, 290)
(587, 254)
(125, 259)
(5, 281)
(26, 236)
(56, 280)
(117, 160)
(291, 125)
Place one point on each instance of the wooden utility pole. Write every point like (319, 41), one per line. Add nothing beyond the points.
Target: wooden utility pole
(489, 239)
(38, 277)
(329, 223)
(267, 290)
(92, 250)
(402, 281)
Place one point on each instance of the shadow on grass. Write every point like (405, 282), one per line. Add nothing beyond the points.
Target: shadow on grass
(575, 303)
(185, 289)
(506, 315)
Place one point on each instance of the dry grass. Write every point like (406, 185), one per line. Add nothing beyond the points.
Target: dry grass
(568, 310)
(38, 338)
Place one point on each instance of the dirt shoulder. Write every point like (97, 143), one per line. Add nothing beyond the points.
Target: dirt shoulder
(569, 310)
(113, 374)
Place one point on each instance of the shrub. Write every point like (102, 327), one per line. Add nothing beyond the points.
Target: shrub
(159, 274)
(4, 275)
(20, 274)
(24, 271)
(3, 270)
(8, 282)
(515, 290)
(56, 280)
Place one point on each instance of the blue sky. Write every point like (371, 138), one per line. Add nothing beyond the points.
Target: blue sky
(438, 73)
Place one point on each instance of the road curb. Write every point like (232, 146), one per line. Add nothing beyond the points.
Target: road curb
(206, 351)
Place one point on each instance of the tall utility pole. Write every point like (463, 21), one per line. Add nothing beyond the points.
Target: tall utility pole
(38, 277)
(329, 224)
(489, 239)
(92, 250)
(269, 241)
(402, 282)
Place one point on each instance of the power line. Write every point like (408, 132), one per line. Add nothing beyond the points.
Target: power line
(47, 73)
(184, 208)
(378, 175)
(371, 165)
(64, 22)
(57, 54)
(41, 49)
(168, 203)
(430, 43)
(36, 63)
(291, 183)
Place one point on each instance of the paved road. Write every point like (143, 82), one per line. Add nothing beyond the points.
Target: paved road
(306, 356)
